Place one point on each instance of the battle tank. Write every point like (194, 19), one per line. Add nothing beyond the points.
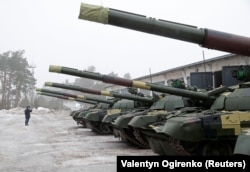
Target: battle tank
(163, 104)
(211, 39)
(94, 119)
(203, 99)
(207, 132)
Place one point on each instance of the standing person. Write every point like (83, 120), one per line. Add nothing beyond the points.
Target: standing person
(27, 114)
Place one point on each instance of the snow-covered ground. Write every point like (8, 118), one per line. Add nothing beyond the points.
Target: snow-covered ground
(54, 142)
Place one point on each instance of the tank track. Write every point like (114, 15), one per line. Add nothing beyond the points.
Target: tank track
(176, 145)
(132, 140)
(183, 148)
(139, 138)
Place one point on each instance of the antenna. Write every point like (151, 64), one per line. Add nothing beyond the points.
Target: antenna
(150, 75)
(150, 80)
(204, 60)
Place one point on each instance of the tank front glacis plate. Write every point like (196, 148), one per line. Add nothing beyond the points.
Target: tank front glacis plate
(184, 128)
(123, 120)
(142, 121)
(110, 117)
(96, 115)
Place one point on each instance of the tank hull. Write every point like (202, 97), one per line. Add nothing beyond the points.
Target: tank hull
(212, 135)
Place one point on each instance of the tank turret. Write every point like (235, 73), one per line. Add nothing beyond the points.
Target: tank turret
(211, 39)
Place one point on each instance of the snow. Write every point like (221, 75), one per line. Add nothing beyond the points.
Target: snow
(54, 142)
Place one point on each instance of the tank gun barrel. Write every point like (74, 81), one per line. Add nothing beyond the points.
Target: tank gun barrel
(134, 83)
(211, 39)
(66, 98)
(80, 97)
(100, 92)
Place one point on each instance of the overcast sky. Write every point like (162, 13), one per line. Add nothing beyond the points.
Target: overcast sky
(51, 34)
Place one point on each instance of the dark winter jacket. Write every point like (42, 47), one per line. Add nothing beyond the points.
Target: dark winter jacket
(27, 112)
